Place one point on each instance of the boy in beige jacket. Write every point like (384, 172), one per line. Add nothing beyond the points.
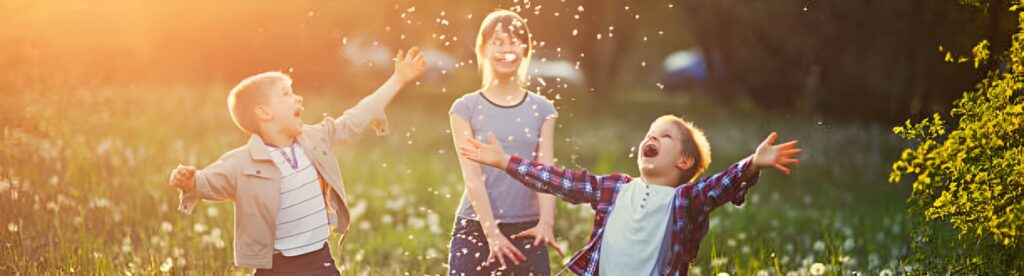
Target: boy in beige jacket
(285, 182)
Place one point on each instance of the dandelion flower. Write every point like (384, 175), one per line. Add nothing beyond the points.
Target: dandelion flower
(817, 269)
(166, 227)
(166, 266)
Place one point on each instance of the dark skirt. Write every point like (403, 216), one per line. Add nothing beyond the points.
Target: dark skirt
(319, 263)
(469, 250)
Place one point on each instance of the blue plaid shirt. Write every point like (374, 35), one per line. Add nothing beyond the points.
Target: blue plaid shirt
(689, 222)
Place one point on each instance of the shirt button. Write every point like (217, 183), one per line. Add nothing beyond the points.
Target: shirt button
(257, 171)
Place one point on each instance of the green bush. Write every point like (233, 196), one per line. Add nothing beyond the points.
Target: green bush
(968, 195)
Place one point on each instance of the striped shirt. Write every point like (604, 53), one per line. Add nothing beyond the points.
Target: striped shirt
(302, 225)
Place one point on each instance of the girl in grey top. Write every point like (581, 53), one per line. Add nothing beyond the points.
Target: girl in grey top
(501, 225)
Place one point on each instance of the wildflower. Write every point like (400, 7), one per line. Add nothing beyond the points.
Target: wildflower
(817, 269)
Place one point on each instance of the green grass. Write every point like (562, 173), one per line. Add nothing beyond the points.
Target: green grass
(83, 182)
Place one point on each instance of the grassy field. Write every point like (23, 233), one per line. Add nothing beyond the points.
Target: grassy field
(83, 183)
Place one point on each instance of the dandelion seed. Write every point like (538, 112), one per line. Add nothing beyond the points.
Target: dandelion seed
(574, 32)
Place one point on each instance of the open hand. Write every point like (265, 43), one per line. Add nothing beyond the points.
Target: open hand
(542, 234)
(501, 248)
(776, 156)
(410, 65)
(182, 178)
(487, 154)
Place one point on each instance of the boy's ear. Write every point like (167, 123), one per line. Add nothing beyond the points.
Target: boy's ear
(263, 113)
(684, 163)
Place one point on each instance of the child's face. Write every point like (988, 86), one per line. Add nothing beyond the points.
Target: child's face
(661, 151)
(283, 110)
(504, 51)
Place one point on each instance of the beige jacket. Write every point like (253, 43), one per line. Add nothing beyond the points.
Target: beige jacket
(249, 177)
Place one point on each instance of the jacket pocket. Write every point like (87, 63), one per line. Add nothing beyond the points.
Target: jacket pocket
(256, 238)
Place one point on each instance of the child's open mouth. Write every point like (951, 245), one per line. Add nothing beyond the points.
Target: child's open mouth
(650, 150)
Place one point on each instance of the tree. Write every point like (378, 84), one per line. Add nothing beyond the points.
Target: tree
(968, 194)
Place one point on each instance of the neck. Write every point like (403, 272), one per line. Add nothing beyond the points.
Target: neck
(277, 139)
(503, 87)
(667, 180)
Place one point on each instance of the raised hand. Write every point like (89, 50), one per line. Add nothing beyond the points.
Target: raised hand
(487, 154)
(776, 156)
(181, 178)
(410, 65)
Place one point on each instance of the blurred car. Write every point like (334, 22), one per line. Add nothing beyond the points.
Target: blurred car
(683, 69)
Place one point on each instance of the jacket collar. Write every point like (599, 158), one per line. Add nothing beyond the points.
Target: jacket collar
(258, 149)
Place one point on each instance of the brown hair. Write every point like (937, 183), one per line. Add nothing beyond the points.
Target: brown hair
(248, 94)
(516, 27)
(694, 144)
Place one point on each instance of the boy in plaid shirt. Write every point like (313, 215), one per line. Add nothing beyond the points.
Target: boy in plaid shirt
(651, 224)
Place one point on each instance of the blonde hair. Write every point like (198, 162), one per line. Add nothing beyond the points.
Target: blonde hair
(517, 28)
(250, 93)
(694, 144)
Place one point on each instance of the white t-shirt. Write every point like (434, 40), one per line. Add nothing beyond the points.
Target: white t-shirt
(302, 224)
(635, 237)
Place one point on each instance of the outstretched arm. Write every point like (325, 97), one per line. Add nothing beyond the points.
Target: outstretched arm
(572, 186)
(370, 110)
(732, 184)
(216, 182)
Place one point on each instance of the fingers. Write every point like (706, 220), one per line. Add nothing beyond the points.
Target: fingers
(412, 53)
(782, 168)
(471, 154)
(792, 152)
(789, 162)
(187, 172)
(771, 139)
(420, 60)
(399, 56)
(491, 139)
(540, 240)
(473, 141)
(516, 254)
(490, 257)
(525, 234)
(500, 257)
(787, 145)
(555, 246)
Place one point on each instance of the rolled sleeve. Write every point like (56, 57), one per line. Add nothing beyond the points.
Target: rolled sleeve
(213, 183)
(369, 112)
